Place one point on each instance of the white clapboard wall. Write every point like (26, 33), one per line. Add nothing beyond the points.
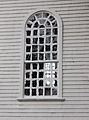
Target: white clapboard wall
(75, 20)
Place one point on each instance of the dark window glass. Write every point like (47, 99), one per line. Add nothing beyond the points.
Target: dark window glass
(47, 47)
(35, 32)
(35, 40)
(34, 83)
(41, 83)
(41, 48)
(41, 74)
(28, 49)
(34, 74)
(27, 74)
(33, 92)
(41, 40)
(27, 66)
(27, 84)
(36, 25)
(47, 56)
(55, 31)
(34, 65)
(34, 48)
(54, 47)
(54, 91)
(51, 18)
(28, 57)
(48, 39)
(34, 56)
(27, 92)
(54, 39)
(54, 56)
(29, 25)
(48, 31)
(41, 56)
(41, 66)
(54, 24)
(40, 91)
(28, 33)
(47, 91)
(28, 41)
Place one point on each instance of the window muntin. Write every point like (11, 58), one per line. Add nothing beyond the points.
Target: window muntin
(41, 55)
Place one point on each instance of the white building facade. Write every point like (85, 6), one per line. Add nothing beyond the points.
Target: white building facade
(44, 63)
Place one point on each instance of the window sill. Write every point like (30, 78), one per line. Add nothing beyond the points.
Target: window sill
(41, 99)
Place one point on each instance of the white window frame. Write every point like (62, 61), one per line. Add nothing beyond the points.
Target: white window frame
(59, 22)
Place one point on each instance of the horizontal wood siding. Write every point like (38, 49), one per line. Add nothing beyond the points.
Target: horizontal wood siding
(75, 18)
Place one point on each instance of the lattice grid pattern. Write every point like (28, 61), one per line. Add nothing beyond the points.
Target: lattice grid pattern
(41, 55)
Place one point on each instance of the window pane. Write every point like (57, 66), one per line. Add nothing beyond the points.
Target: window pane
(35, 32)
(36, 25)
(48, 39)
(54, 24)
(45, 15)
(40, 91)
(27, 66)
(28, 33)
(34, 65)
(55, 31)
(47, 47)
(27, 83)
(34, 56)
(28, 49)
(47, 56)
(34, 74)
(51, 18)
(34, 48)
(54, 83)
(48, 31)
(29, 25)
(35, 40)
(27, 92)
(41, 83)
(33, 92)
(28, 41)
(54, 56)
(47, 24)
(54, 91)
(34, 83)
(41, 66)
(54, 39)
(32, 18)
(41, 40)
(47, 83)
(47, 66)
(41, 56)
(41, 74)
(28, 57)
(41, 32)
(47, 91)
(54, 48)
(41, 48)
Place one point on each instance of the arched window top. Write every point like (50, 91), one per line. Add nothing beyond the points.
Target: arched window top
(42, 28)
(41, 19)
(43, 56)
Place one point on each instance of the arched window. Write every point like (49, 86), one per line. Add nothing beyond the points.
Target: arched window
(43, 56)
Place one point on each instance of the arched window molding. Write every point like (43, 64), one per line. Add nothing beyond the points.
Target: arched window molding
(42, 46)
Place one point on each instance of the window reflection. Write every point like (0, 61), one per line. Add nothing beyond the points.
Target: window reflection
(48, 74)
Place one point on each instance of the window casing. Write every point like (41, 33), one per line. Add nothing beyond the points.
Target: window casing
(42, 56)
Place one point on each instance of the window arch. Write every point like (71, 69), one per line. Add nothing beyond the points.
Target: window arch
(43, 56)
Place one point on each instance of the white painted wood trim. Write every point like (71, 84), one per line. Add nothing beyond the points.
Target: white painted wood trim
(60, 54)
